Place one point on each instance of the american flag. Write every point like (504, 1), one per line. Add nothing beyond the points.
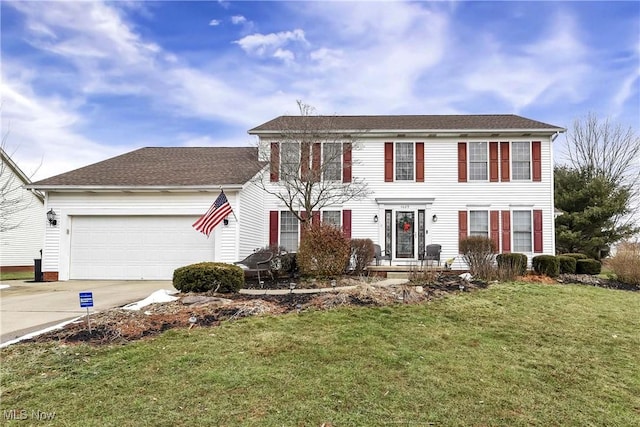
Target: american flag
(216, 213)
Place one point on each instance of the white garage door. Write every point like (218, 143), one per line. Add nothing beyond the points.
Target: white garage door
(135, 247)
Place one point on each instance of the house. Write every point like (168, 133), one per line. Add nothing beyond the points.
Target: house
(22, 217)
(430, 179)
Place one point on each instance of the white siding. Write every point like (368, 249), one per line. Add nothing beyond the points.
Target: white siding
(21, 245)
(254, 221)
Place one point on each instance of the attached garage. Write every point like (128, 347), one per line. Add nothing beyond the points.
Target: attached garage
(135, 247)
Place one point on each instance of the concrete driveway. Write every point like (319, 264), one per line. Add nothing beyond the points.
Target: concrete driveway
(27, 306)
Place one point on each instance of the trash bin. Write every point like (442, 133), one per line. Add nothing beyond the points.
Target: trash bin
(37, 269)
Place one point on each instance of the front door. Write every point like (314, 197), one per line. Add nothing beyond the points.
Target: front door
(404, 233)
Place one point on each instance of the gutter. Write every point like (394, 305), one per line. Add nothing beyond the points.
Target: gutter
(136, 188)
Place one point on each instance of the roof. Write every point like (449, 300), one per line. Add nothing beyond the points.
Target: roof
(471, 122)
(7, 160)
(165, 167)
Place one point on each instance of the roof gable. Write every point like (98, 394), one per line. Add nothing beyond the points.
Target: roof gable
(166, 167)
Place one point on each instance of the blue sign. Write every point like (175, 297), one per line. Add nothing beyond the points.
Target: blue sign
(86, 299)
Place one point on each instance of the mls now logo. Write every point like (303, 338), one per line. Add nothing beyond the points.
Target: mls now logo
(16, 414)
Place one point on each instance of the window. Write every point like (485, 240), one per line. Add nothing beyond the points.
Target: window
(404, 161)
(289, 159)
(289, 231)
(332, 161)
(332, 217)
(479, 223)
(478, 161)
(521, 231)
(521, 160)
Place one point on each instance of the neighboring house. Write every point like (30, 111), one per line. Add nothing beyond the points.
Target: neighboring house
(432, 179)
(23, 218)
(435, 179)
(131, 216)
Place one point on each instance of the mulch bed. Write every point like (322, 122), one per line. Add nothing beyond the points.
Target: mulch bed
(119, 326)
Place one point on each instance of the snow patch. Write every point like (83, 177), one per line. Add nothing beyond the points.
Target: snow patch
(163, 295)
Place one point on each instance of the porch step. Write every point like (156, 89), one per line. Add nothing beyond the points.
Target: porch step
(397, 274)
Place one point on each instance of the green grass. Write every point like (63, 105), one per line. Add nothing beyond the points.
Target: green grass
(17, 275)
(510, 355)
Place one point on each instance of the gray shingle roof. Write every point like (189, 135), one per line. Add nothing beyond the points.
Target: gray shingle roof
(166, 166)
(414, 122)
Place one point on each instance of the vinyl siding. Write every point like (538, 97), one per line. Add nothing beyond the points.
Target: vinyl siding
(21, 245)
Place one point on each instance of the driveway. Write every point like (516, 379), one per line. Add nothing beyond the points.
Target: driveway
(27, 306)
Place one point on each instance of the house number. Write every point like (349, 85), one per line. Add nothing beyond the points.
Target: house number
(404, 207)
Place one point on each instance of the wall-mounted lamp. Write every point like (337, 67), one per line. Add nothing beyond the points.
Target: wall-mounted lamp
(375, 218)
(52, 217)
(434, 218)
(225, 221)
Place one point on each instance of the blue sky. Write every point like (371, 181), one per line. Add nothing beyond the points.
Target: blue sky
(85, 81)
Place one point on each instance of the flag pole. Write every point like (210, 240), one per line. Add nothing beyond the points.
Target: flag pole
(234, 214)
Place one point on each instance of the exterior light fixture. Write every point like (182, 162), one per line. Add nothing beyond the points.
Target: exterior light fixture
(375, 218)
(225, 221)
(52, 217)
(434, 218)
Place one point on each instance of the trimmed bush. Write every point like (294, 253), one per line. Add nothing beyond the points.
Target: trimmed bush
(479, 254)
(546, 264)
(362, 253)
(208, 276)
(513, 262)
(588, 266)
(576, 256)
(324, 251)
(567, 264)
(626, 263)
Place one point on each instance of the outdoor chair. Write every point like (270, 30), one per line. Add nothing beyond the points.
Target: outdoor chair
(431, 253)
(256, 263)
(378, 255)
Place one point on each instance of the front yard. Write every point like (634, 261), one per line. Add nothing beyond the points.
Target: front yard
(512, 354)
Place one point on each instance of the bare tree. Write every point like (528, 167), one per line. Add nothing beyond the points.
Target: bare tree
(12, 193)
(313, 156)
(602, 148)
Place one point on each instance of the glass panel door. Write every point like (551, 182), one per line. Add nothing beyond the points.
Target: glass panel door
(405, 233)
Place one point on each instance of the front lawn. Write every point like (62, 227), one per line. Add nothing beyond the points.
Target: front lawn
(512, 355)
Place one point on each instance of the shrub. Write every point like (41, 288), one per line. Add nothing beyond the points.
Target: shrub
(478, 252)
(362, 253)
(588, 266)
(208, 276)
(324, 251)
(626, 263)
(567, 264)
(513, 263)
(576, 256)
(546, 264)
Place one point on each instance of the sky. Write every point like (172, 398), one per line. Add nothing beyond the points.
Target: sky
(83, 81)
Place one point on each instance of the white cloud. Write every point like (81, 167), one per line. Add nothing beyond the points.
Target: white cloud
(267, 44)
(214, 22)
(238, 19)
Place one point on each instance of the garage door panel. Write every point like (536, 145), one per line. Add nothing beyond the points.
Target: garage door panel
(135, 247)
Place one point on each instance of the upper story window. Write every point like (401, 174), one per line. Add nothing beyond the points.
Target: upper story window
(522, 231)
(404, 161)
(332, 161)
(289, 159)
(521, 160)
(478, 161)
(479, 223)
(332, 217)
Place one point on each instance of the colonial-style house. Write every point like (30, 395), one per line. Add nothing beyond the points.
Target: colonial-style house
(22, 217)
(430, 180)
